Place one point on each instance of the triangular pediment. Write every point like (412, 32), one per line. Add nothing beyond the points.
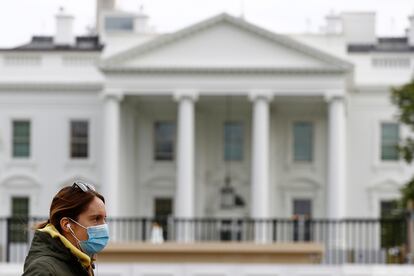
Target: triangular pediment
(225, 42)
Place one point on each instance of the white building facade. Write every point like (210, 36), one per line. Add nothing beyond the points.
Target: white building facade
(299, 124)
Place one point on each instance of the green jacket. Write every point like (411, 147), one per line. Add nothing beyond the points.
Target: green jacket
(49, 256)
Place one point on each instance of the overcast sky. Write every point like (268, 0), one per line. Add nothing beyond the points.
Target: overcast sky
(20, 19)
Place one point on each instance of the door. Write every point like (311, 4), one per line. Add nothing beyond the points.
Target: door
(302, 214)
(163, 210)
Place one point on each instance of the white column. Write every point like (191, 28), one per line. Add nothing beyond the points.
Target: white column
(260, 201)
(336, 178)
(110, 158)
(185, 186)
(337, 158)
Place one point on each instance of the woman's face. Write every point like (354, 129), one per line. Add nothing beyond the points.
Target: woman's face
(95, 214)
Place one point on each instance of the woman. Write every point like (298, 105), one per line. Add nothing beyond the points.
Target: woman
(76, 231)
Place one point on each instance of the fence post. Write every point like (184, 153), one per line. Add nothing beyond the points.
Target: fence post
(8, 232)
(410, 231)
(144, 229)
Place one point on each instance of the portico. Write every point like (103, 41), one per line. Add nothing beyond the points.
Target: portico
(191, 90)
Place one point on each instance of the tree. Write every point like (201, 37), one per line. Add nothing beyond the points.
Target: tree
(403, 98)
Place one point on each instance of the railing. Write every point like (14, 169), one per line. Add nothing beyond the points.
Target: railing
(363, 241)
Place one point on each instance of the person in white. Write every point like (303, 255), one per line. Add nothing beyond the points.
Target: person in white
(156, 234)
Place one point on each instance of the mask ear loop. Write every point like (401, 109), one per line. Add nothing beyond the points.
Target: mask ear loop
(73, 233)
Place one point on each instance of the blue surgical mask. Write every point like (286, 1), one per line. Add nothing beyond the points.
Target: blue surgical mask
(98, 237)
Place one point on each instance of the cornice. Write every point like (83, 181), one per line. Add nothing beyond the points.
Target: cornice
(226, 70)
(51, 86)
(377, 88)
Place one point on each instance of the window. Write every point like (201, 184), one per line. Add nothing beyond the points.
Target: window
(393, 226)
(79, 134)
(119, 24)
(164, 141)
(22, 60)
(21, 139)
(18, 228)
(389, 141)
(389, 208)
(233, 141)
(303, 141)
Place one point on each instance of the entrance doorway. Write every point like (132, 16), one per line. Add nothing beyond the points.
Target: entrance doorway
(302, 214)
(163, 207)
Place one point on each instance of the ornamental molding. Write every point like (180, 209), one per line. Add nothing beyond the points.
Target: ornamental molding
(330, 60)
(263, 94)
(112, 94)
(72, 178)
(387, 184)
(302, 183)
(181, 94)
(334, 95)
(162, 179)
(20, 180)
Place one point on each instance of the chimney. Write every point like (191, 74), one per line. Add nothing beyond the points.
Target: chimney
(102, 6)
(333, 24)
(141, 21)
(410, 33)
(64, 29)
(359, 28)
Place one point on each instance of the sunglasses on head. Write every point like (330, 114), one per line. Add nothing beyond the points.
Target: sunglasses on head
(83, 186)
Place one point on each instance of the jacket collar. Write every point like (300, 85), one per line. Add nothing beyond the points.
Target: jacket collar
(84, 259)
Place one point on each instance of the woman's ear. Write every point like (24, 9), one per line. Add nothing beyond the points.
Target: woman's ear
(65, 225)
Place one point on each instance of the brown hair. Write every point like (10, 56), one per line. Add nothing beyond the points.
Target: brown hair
(69, 202)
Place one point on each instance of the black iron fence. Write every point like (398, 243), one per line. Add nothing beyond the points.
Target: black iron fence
(363, 241)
